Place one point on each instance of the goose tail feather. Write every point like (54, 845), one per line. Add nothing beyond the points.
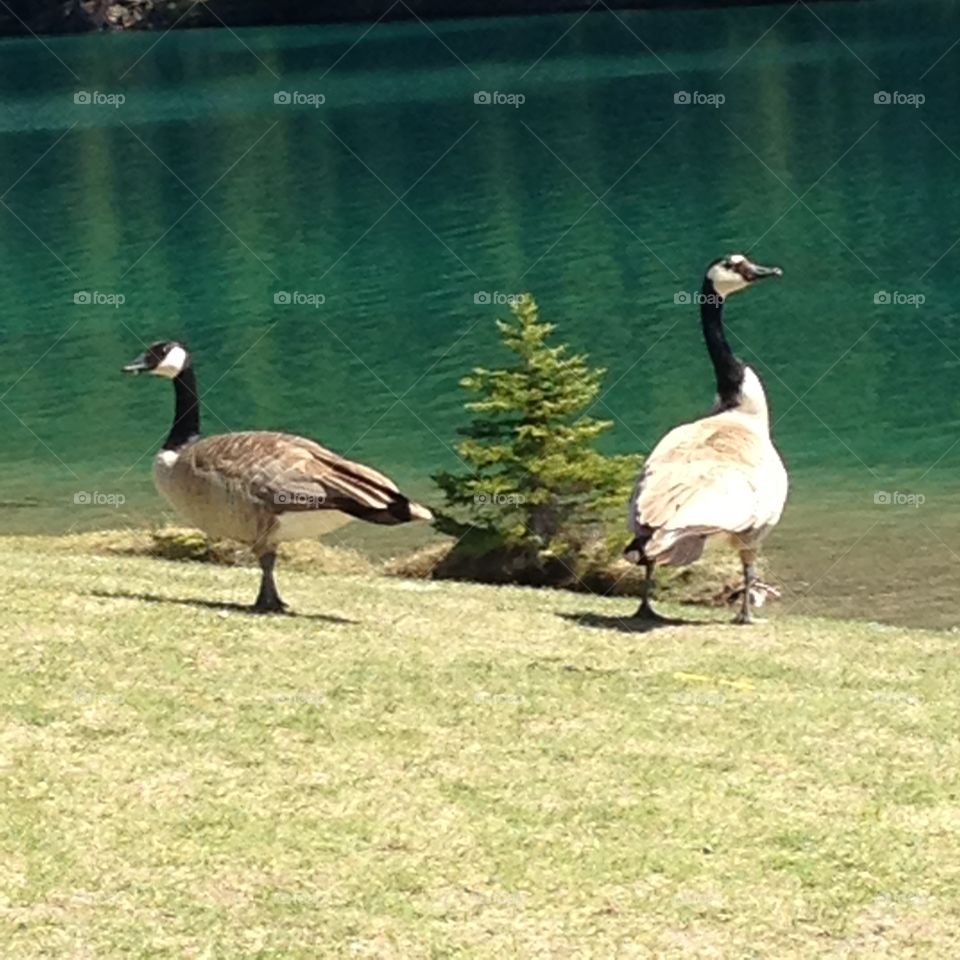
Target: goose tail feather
(419, 512)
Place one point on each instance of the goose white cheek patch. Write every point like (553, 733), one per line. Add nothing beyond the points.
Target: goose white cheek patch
(172, 364)
(726, 281)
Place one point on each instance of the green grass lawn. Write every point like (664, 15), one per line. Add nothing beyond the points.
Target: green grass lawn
(416, 770)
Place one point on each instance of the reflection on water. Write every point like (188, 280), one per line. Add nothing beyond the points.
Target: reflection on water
(403, 205)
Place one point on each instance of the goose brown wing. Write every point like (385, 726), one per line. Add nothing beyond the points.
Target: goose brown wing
(281, 473)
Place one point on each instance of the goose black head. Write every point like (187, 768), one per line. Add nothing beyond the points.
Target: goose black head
(734, 272)
(165, 358)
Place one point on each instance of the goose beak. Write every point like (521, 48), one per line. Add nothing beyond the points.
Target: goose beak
(756, 272)
(137, 366)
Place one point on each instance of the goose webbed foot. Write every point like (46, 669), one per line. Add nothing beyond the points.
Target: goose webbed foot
(646, 612)
(269, 605)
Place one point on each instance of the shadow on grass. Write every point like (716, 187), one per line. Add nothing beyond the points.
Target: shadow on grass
(218, 605)
(632, 624)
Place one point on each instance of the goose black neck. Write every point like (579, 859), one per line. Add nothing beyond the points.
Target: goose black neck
(186, 415)
(728, 368)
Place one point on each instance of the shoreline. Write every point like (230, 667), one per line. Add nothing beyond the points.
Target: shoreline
(690, 589)
(52, 17)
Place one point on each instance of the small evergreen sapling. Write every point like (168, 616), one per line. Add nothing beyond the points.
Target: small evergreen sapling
(535, 487)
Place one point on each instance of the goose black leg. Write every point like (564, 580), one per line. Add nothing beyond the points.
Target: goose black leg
(749, 576)
(268, 599)
(645, 611)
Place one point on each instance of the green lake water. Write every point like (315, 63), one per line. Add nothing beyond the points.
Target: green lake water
(412, 211)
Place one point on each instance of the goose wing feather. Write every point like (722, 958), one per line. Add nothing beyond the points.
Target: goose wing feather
(713, 475)
(281, 472)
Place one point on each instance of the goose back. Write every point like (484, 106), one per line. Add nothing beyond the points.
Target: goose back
(721, 474)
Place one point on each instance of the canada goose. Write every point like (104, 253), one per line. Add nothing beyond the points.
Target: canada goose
(260, 488)
(721, 474)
